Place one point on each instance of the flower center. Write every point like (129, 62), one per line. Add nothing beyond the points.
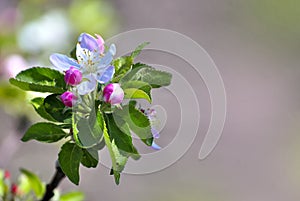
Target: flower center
(89, 62)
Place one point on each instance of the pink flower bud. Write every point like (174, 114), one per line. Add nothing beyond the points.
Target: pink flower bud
(7, 174)
(113, 94)
(14, 189)
(73, 76)
(68, 98)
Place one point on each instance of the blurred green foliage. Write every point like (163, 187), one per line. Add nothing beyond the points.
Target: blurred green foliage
(29, 187)
(93, 17)
(283, 16)
(276, 23)
(33, 29)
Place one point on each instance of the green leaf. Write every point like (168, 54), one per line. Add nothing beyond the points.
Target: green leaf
(118, 161)
(132, 93)
(87, 131)
(145, 73)
(137, 90)
(138, 50)
(90, 158)
(100, 145)
(40, 79)
(119, 132)
(56, 109)
(69, 159)
(44, 132)
(35, 183)
(138, 122)
(72, 196)
(121, 161)
(122, 66)
(137, 85)
(38, 105)
(2, 184)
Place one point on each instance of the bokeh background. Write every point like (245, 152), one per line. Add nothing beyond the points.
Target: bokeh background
(256, 46)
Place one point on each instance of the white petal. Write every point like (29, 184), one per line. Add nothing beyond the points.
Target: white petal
(81, 54)
(62, 62)
(87, 86)
(112, 49)
(105, 75)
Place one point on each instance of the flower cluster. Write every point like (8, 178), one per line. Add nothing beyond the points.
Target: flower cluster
(92, 103)
(91, 67)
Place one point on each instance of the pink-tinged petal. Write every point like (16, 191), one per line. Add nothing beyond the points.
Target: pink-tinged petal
(88, 85)
(87, 41)
(117, 95)
(106, 75)
(100, 42)
(107, 91)
(62, 62)
(113, 94)
(155, 146)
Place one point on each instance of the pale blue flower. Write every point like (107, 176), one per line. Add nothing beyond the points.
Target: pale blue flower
(93, 64)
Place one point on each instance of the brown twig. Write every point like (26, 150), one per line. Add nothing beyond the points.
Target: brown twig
(57, 178)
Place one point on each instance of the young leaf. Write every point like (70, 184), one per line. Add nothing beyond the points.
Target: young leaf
(35, 183)
(137, 85)
(40, 79)
(44, 132)
(132, 93)
(145, 73)
(87, 131)
(138, 50)
(122, 66)
(118, 161)
(121, 161)
(90, 158)
(137, 90)
(56, 109)
(119, 133)
(38, 105)
(138, 122)
(69, 159)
